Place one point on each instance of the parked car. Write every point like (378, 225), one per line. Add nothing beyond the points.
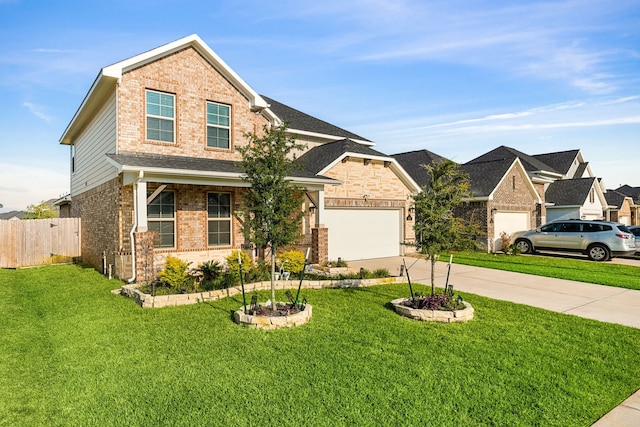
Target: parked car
(635, 229)
(599, 240)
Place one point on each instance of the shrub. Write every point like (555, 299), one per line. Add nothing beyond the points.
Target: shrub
(438, 301)
(211, 275)
(232, 261)
(176, 274)
(292, 261)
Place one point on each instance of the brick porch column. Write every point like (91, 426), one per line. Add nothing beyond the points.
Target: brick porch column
(145, 270)
(319, 245)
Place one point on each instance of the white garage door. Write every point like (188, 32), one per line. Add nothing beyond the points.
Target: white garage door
(509, 222)
(363, 233)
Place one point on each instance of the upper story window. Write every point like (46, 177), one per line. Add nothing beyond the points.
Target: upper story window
(160, 116)
(218, 125)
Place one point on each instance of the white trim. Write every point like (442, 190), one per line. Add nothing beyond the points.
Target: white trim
(326, 136)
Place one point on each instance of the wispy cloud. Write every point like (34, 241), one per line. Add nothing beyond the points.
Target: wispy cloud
(37, 111)
(563, 40)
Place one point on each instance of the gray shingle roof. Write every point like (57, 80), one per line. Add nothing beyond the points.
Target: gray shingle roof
(412, 162)
(530, 163)
(12, 214)
(569, 192)
(485, 176)
(633, 192)
(560, 161)
(145, 160)
(302, 121)
(614, 198)
(323, 155)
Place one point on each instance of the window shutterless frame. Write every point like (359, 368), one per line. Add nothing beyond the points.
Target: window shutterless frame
(160, 116)
(161, 218)
(218, 125)
(219, 229)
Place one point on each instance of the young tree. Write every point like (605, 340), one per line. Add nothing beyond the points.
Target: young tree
(41, 211)
(273, 203)
(436, 227)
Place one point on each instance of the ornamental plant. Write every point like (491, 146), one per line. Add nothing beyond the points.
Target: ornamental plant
(292, 261)
(176, 273)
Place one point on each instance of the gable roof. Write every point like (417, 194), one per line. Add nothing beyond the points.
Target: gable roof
(569, 192)
(109, 76)
(485, 177)
(615, 198)
(413, 162)
(184, 169)
(303, 123)
(560, 161)
(12, 215)
(531, 164)
(322, 158)
(633, 192)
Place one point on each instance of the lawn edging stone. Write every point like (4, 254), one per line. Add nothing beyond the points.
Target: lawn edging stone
(442, 316)
(159, 301)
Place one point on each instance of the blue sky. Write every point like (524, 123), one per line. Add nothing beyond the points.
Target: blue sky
(458, 78)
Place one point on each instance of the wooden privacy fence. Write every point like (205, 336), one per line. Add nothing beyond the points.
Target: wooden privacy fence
(32, 242)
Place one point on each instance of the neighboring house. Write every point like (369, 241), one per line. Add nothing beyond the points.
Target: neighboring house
(504, 199)
(154, 168)
(564, 181)
(620, 208)
(634, 194)
(12, 215)
(580, 198)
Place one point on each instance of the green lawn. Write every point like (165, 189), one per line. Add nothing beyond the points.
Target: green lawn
(72, 353)
(604, 273)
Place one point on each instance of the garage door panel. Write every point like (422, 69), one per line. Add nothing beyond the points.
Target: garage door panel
(508, 222)
(363, 233)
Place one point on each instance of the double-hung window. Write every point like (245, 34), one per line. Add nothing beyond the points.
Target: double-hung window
(218, 125)
(219, 217)
(160, 116)
(161, 218)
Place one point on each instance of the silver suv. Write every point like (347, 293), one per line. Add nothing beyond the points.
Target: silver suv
(599, 240)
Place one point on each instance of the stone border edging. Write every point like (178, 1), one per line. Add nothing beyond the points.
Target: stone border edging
(272, 322)
(159, 301)
(442, 316)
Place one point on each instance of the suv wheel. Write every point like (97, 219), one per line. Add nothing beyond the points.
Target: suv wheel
(524, 246)
(598, 252)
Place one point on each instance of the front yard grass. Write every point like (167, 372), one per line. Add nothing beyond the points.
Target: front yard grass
(603, 273)
(72, 353)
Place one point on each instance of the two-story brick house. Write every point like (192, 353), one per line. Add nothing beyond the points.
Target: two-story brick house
(154, 167)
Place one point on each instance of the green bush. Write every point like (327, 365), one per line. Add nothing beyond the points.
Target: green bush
(176, 274)
(292, 261)
(232, 261)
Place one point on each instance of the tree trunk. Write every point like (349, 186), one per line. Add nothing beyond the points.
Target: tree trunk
(433, 273)
(273, 274)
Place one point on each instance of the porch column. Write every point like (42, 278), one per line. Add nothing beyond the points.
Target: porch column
(140, 195)
(320, 208)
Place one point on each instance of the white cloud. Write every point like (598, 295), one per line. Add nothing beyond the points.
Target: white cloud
(23, 185)
(37, 111)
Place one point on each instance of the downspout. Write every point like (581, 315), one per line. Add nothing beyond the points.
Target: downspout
(133, 228)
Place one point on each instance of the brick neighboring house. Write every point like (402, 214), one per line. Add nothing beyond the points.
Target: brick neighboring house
(154, 169)
(634, 205)
(504, 199)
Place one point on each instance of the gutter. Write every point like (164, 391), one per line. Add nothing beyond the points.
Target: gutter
(133, 228)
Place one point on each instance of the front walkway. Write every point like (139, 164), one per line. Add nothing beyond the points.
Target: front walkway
(603, 303)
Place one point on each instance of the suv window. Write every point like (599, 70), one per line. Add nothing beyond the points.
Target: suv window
(594, 228)
(554, 227)
(623, 228)
(571, 227)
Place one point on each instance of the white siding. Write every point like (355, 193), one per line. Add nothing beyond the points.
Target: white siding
(96, 140)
